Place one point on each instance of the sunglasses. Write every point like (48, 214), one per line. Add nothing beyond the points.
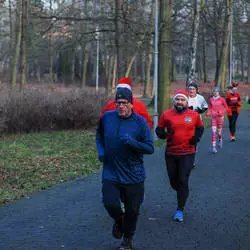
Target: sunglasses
(119, 103)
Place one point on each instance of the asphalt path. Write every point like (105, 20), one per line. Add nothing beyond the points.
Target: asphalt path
(216, 217)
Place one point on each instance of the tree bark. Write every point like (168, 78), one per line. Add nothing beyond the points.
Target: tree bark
(24, 43)
(223, 73)
(248, 71)
(194, 39)
(18, 43)
(165, 55)
(11, 45)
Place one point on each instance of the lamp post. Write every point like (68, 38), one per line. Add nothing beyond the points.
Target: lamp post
(156, 67)
(243, 19)
(97, 37)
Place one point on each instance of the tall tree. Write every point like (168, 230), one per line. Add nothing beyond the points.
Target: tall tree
(248, 67)
(24, 43)
(195, 32)
(223, 72)
(18, 42)
(165, 55)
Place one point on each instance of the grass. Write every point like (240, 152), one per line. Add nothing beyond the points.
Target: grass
(245, 106)
(32, 162)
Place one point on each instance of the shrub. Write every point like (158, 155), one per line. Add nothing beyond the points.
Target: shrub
(34, 110)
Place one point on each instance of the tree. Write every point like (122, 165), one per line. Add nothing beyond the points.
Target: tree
(164, 55)
(195, 32)
(24, 42)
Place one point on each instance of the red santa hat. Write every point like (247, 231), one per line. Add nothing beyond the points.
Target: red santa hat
(182, 93)
(235, 84)
(124, 83)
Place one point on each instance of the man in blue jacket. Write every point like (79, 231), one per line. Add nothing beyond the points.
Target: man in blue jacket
(122, 138)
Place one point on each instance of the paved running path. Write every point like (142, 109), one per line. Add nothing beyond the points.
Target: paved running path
(71, 215)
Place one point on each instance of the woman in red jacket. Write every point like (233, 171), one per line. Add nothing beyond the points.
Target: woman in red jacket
(234, 104)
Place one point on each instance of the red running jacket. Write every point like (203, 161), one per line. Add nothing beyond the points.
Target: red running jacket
(233, 102)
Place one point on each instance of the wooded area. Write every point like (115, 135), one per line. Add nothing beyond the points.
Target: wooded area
(55, 41)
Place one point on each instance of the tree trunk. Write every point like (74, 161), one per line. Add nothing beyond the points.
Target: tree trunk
(73, 60)
(51, 56)
(130, 66)
(11, 45)
(148, 76)
(114, 74)
(164, 55)
(117, 38)
(85, 66)
(223, 73)
(18, 43)
(24, 43)
(204, 58)
(248, 71)
(110, 71)
(194, 39)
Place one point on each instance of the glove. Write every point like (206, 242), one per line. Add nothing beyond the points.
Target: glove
(194, 140)
(126, 138)
(199, 110)
(101, 158)
(161, 133)
(191, 107)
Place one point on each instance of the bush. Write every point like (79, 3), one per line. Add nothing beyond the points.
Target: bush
(34, 110)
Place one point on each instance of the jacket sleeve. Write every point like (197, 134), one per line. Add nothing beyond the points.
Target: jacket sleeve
(109, 106)
(199, 129)
(160, 130)
(142, 111)
(145, 145)
(239, 101)
(100, 138)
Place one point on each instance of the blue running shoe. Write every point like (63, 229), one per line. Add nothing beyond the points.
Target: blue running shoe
(178, 216)
(214, 150)
(220, 143)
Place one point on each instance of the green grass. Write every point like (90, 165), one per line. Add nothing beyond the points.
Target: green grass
(245, 106)
(32, 162)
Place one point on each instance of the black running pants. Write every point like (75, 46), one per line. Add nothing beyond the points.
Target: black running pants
(132, 195)
(179, 168)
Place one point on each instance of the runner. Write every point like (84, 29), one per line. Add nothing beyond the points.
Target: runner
(182, 128)
(122, 138)
(216, 110)
(234, 103)
(197, 103)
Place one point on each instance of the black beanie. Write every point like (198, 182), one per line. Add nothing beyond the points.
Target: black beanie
(193, 84)
(124, 93)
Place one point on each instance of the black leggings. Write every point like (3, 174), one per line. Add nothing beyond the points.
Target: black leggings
(179, 168)
(132, 195)
(232, 122)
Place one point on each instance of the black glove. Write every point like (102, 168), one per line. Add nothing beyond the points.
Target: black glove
(199, 110)
(160, 132)
(194, 140)
(191, 107)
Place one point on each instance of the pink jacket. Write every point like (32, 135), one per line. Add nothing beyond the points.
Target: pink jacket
(217, 107)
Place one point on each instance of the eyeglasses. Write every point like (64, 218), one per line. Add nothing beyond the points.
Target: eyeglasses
(119, 103)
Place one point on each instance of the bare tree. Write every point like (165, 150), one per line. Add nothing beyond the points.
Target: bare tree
(165, 55)
(24, 42)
